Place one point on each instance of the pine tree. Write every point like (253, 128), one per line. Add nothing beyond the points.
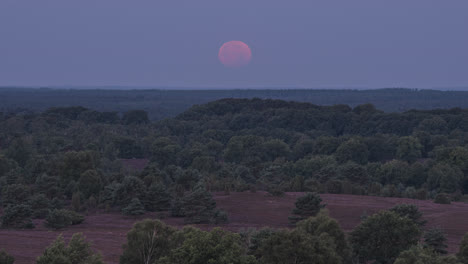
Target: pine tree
(306, 206)
(199, 206)
(157, 198)
(435, 240)
(134, 208)
(411, 211)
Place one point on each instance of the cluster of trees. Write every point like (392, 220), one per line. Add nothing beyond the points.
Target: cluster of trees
(70, 158)
(395, 236)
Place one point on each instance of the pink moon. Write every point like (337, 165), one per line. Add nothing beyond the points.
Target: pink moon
(235, 54)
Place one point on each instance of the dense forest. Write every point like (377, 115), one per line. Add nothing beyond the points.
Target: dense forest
(166, 103)
(61, 162)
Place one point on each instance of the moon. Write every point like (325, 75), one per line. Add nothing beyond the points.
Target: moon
(234, 54)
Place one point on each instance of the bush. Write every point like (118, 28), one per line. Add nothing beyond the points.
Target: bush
(17, 216)
(276, 191)
(442, 198)
(306, 206)
(5, 258)
(134, 208)
(220, 217)
(61, 218)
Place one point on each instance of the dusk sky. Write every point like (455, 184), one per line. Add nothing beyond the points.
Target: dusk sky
(175, 43)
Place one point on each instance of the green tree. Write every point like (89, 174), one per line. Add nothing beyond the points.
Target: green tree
(214, 247)
(76, 201)
(354, 173)
(76, 163)
(15, 194)
(382, 236)
(274, 149)
(134, 208)
(323, 224)
(445, 178)
(164, 151)
(199, 206)
(297, 247)
(5, 258)
(352, 150)
(435, 240)
(90, 183)
(419, 255)
(306, 206)
(411, 211)
(40, 205)
(20, 151)
(17, 216)
(394, 172)
(148, 241)
(157, 198)
(78, 251)
(409, 149)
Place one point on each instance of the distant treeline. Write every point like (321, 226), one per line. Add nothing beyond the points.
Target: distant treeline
(162, 104)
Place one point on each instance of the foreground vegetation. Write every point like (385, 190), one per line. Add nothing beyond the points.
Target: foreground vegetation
(395, 236)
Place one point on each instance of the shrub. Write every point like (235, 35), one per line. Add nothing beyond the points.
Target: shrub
(306, 206)
(276, 191)
(442, 198)
(220, 217)
(134, 208)
(61, 218)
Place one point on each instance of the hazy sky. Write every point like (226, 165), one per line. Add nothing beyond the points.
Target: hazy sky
(311, 43)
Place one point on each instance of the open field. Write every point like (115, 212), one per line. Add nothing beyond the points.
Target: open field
(107, 231)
